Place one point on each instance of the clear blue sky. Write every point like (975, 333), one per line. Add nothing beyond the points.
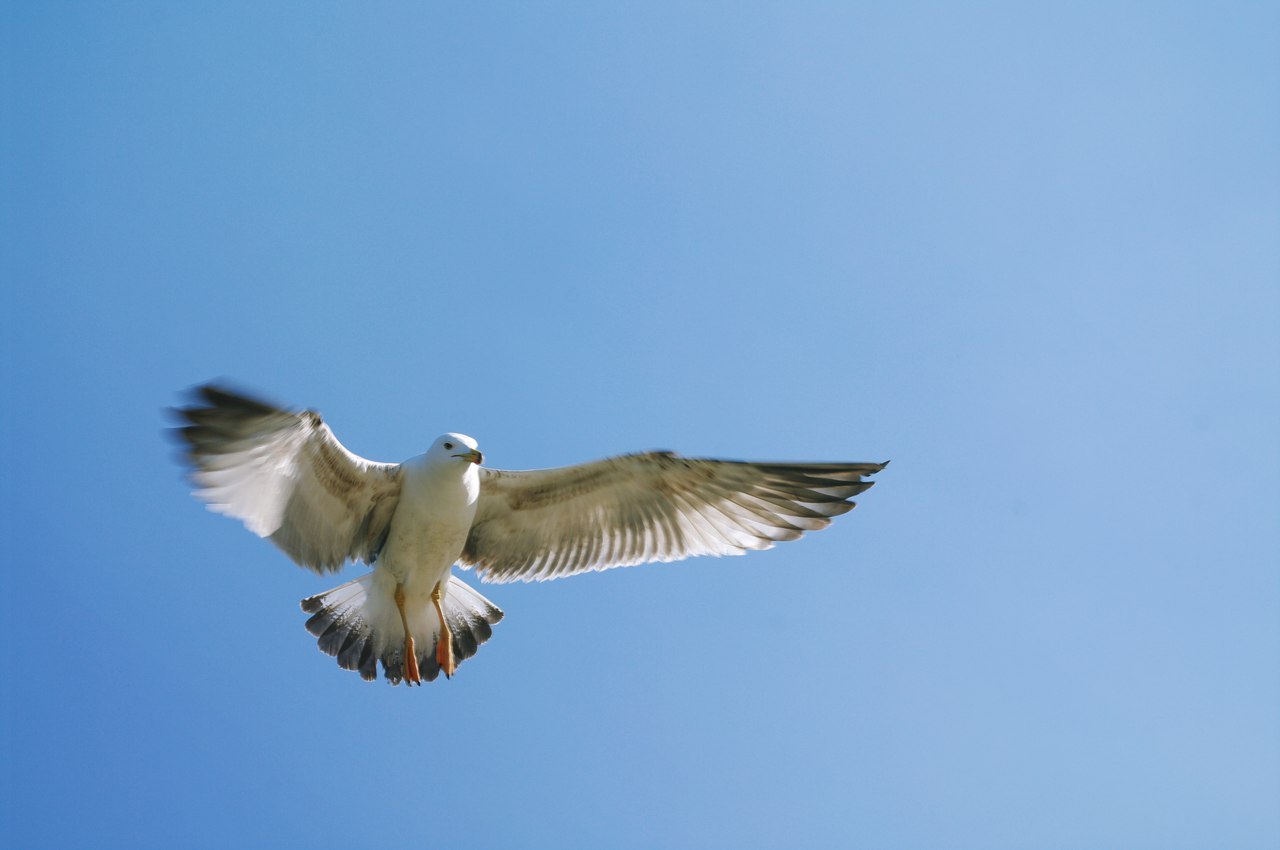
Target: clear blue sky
(1030, 254)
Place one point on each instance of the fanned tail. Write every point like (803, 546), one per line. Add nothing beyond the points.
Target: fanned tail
(359, 635)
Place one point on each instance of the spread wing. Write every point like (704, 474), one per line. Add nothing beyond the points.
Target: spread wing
(656, 506)
(288, 478)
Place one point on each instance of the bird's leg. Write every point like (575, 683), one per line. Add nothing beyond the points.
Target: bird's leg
(411, 674)
(444, 646)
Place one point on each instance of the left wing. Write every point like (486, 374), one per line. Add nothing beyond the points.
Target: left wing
(655, 506)
(286, 476)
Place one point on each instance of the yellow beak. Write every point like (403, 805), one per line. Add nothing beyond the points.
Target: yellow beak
(473, 456)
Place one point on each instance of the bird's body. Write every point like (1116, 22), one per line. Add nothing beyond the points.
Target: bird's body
(424, 539)
(288, 478)
(431, 521)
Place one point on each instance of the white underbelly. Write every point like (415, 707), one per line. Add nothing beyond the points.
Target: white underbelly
(421, 554)
(417, 557)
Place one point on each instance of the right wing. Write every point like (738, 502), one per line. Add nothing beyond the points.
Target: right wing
(288, 478)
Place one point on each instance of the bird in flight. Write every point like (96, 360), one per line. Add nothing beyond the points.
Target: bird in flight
(287, 478)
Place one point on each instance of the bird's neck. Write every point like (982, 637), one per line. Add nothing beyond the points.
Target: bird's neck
(437, 476)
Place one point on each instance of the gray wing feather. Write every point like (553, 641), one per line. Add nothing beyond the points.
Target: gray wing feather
(286, 476)
(655, 506)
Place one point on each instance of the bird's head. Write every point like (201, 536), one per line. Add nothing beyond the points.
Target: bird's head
(456, 447)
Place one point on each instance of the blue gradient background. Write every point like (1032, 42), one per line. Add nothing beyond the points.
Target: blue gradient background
(1030, 254)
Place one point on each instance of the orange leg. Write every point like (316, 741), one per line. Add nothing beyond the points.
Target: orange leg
(444, 646)
(411, 674)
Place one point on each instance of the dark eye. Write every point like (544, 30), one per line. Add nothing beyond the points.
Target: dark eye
(448, 447)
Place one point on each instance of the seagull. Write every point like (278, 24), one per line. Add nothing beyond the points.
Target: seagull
(284, 474)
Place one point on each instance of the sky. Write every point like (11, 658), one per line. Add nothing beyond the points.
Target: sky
(1028, 252)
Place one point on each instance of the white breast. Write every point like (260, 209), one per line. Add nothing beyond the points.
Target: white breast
(431, 523)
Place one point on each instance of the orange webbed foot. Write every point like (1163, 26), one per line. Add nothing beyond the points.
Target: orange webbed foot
(444, 655)
(411, 674)
(444, 643)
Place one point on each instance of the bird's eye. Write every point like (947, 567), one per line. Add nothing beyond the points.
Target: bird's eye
(448, 447)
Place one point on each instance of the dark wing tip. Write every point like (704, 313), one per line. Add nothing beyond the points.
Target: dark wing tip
(211, 403)
(223, 395)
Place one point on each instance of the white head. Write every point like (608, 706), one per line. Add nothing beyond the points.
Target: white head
(454, 448)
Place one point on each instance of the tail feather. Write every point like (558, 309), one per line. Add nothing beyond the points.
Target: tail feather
(471, 618)
(344, 626)
(340, 629)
